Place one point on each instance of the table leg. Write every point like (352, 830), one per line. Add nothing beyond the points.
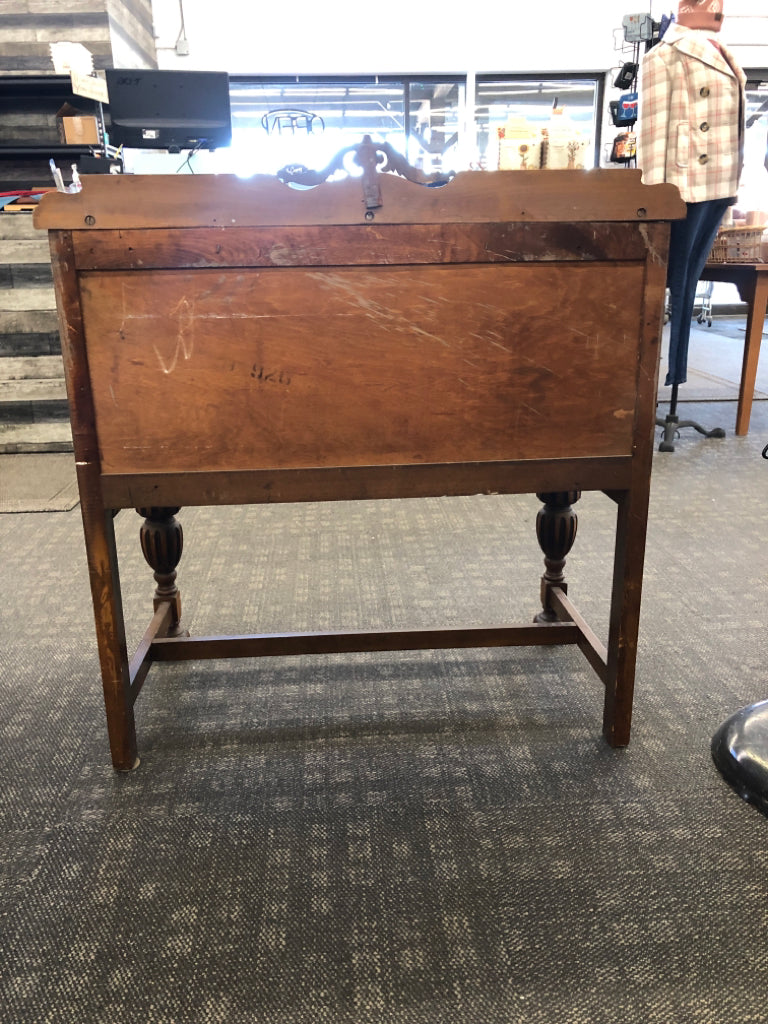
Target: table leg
(632, 509)
(101, 552)
(755, 322)
(162, 542)
(556, 525)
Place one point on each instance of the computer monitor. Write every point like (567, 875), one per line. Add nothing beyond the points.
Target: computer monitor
(171, 110)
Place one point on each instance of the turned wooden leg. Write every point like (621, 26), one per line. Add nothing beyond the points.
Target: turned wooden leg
(556, 531)
(162, 541)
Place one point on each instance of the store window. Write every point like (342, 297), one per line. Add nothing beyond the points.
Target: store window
(438, 122)
(306, 121)
(516, 115)
(753, 194)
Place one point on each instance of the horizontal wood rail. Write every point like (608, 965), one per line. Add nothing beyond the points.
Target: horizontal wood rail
(278, 644)
(592, 648)
(239, 487)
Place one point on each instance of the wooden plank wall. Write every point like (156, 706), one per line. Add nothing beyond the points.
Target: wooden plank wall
(132, 33)
(33, 409)
(117, 33)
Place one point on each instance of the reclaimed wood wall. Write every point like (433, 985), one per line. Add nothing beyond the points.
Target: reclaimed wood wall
(33, 408)
(119, 33)
(131, 31)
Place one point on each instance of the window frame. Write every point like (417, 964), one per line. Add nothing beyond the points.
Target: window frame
(468, 123)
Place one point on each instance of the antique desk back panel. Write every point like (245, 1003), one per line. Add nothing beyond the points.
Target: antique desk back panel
(230, 341)
(361, 366)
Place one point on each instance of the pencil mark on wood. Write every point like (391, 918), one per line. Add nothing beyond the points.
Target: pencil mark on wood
(270, 376)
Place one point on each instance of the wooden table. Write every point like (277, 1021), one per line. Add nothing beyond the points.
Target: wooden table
(230, 341)
(752, 281)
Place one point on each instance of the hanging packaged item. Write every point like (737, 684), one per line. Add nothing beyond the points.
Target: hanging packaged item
(638, 28)
(519, 146)
(624, 110)
(624, 148)
(626, 76)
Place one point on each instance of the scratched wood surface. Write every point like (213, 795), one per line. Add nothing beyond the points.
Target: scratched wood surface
(203, 200)
(355, 245)
(235, 369)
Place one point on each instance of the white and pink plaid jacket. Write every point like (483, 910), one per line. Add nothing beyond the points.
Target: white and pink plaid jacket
(691, 117)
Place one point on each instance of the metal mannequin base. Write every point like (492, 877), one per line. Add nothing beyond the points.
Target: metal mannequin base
(672, 425)
(740, 752)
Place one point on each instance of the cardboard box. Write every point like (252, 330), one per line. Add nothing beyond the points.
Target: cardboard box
(77, 129)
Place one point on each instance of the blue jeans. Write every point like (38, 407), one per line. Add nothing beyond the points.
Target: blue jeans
(690, 244)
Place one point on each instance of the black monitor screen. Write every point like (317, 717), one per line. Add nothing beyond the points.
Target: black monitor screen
(171, 110)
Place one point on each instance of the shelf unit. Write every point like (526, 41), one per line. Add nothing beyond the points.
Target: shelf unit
(29, 134)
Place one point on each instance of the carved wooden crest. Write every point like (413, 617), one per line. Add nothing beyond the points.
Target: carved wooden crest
(372, 157)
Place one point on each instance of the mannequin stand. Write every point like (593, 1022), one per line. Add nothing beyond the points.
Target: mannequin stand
(740, 749)
(740, 752)
(672, 424)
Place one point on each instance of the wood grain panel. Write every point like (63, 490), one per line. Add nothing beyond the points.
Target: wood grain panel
(223, 200)
(353, 244)
(210, 370)
(268, 486)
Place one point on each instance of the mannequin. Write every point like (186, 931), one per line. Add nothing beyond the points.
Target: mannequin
(691, 133)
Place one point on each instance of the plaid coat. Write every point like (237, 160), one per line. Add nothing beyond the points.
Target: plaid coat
(691, 116)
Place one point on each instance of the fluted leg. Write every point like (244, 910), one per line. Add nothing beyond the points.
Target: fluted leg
(556, 531)
(162, 542)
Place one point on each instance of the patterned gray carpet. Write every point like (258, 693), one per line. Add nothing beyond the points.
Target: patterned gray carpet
(391, 838)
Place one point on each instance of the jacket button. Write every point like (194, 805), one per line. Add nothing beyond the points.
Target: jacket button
(703, 159)
(704, 127)
(704, 91)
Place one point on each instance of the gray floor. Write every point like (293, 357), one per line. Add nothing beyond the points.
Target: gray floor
(415, 837)
(714, 361)
(38, 482)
